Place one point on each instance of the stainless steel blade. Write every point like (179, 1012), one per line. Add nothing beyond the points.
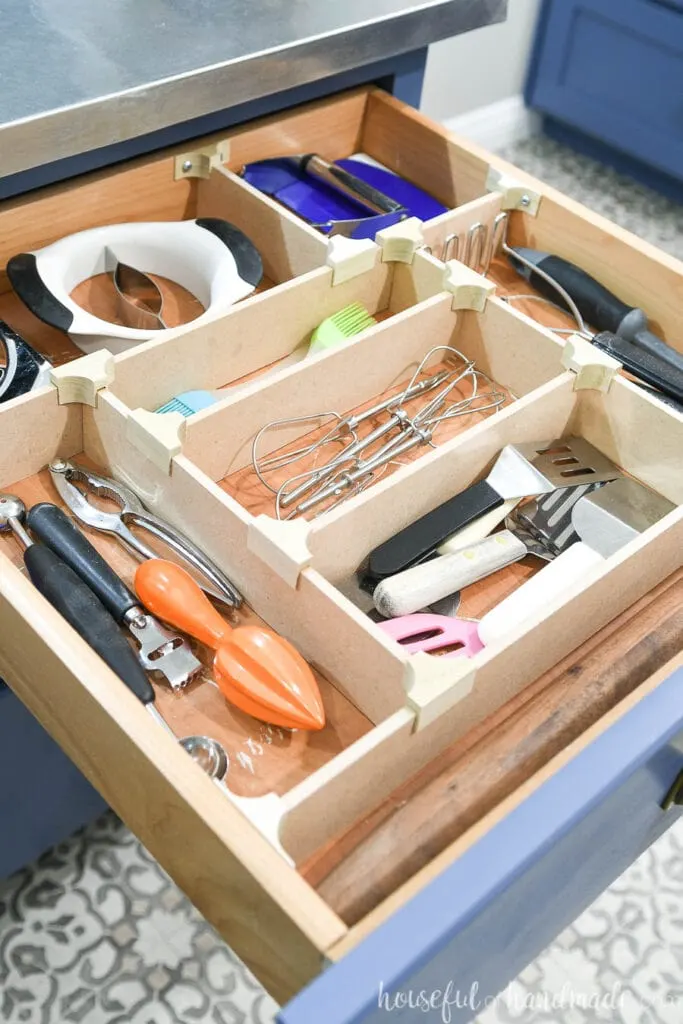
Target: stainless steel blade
(162, 650)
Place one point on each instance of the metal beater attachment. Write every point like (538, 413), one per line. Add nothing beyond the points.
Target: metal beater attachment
(361, 459)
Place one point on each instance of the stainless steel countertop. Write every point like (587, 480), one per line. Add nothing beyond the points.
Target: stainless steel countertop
(76, 75)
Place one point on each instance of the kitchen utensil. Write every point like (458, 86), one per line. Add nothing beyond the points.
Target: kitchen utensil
(605, 520)
(139, 302)
(189, 402)
(354, 466)
(479, 529)
(211, 258)
(24, 369)
(74, 600)
(650, 369)
(429, 812)
(336, 329)
(328, 203)
(523, 470)
(434, 634)
(160, 650)
(131, 512)
(430, 581)
(447, 606)
(257, 670)
(597, 305)
(208, 754)
(333, 331)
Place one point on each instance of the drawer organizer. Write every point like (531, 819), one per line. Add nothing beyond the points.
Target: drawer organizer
(388, 713)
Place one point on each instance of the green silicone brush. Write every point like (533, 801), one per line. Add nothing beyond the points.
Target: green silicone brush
(333, 331)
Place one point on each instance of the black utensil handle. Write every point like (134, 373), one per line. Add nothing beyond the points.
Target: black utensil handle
(597, 305)
(22, 271)
(419, 540)
(642, 364)
(51, 526)
(80, 607)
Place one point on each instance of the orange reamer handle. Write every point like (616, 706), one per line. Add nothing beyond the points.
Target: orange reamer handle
(170, 593)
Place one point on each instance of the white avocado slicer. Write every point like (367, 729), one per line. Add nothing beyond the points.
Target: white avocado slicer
(211, 258)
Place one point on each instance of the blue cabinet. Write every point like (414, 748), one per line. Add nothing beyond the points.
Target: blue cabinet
(608, 77)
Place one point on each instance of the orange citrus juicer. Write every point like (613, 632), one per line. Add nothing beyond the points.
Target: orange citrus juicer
(257, 670)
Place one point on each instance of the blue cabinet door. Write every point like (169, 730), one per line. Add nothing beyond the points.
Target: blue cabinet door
(614, 70)
(43, 796)
(471, 931)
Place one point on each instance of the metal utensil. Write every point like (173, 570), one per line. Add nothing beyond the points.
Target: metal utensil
(423, 584)
(75, 601)
(66, 475)
(605, 520)
(208, 753)
(524, 470)
(160, 650)
(139, 301)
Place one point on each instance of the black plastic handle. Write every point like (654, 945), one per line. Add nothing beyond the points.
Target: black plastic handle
(247, 257)
(76, 602)
(51, 526)
(418, 541)
(642, 364)
(22, 271)
(597, 305)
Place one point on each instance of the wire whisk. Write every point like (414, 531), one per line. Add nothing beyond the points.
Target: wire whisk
(360, 460)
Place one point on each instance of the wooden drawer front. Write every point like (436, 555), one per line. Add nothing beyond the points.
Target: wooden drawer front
(236, 853)
(484, 918)
(616, 73)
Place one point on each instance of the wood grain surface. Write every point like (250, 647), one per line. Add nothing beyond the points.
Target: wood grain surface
(356, 871)
(263, 758)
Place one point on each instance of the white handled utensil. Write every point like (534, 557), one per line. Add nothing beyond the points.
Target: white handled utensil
(606, 520)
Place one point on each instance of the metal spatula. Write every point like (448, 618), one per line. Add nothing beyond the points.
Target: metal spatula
(523, 470)
(605, 521)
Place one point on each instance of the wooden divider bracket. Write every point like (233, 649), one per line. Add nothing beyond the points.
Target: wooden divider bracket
(594, 370)
(435, 685)
(401, 241)
(79, 381)
(283, 546)
(469, 289)
(514, 195)
(349, 257)
(159, 436)
(198, 163)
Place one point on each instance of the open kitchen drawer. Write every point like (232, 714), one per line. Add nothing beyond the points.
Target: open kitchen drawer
(484, 906)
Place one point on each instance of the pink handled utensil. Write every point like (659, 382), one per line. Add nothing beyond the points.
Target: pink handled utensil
(434, 634)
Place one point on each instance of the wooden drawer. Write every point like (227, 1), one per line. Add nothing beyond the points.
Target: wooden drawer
(388, 714)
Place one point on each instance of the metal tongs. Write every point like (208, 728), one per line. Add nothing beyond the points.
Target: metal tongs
(66, 475)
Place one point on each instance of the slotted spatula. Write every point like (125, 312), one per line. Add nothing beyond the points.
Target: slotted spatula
(523, 470)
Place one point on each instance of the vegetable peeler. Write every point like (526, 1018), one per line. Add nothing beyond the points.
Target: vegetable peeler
(160, 650)
(66, 475)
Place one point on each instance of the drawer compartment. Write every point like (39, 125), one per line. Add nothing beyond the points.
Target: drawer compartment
(244, 857)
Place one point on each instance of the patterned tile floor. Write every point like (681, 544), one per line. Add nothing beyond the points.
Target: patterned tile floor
(96, 933)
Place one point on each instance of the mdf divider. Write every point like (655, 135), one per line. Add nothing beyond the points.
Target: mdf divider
(252, 335)
(288, 246)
